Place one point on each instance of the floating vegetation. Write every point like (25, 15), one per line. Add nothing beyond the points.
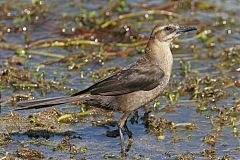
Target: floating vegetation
(49, 49)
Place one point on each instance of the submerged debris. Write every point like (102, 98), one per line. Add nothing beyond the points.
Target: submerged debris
(159, 125)
(44, 52)
(185, 156)
(27, 153)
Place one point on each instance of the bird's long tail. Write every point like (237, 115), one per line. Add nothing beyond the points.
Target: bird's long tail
(47, 102)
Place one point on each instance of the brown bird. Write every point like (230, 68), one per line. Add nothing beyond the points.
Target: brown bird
(131, 87)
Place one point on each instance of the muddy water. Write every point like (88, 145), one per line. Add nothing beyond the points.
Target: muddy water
(214, 112)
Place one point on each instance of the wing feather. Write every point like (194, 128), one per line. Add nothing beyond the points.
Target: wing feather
(144, 77)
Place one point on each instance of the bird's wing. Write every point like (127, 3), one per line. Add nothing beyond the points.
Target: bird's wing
(136, 78)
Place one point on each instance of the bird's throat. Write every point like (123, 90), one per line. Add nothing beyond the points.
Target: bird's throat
(160, 53)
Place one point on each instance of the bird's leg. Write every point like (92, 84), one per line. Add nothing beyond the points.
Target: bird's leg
(129, 133)
(123, 152)
(121, 124)
(130, 140)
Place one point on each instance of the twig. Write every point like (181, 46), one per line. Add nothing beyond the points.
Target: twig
(139, 43)
(140, 13)
(10, 46)
(61, 43)
(80, 114)
(46, 54)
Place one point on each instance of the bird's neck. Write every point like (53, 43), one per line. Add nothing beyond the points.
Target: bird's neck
(159, 53)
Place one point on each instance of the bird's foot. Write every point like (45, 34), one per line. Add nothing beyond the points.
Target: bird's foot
(130, 142)
(123, 154)
(123, 151)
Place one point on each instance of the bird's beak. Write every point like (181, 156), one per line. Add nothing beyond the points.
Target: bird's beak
(186, 29)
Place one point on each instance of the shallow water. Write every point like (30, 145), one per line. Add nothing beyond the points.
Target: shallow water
(223, 21)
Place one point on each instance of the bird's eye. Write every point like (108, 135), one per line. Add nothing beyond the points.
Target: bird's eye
(169, 29)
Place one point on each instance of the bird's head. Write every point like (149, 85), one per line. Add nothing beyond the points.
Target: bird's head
(166, 33)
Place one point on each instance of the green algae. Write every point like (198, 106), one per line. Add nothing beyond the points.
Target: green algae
(82, 42)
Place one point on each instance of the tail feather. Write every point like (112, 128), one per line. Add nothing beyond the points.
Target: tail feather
(47, 102)
(37, 101)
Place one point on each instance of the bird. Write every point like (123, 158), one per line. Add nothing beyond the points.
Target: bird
(130, 88)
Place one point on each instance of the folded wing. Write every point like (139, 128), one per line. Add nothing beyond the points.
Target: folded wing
(145, 77)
